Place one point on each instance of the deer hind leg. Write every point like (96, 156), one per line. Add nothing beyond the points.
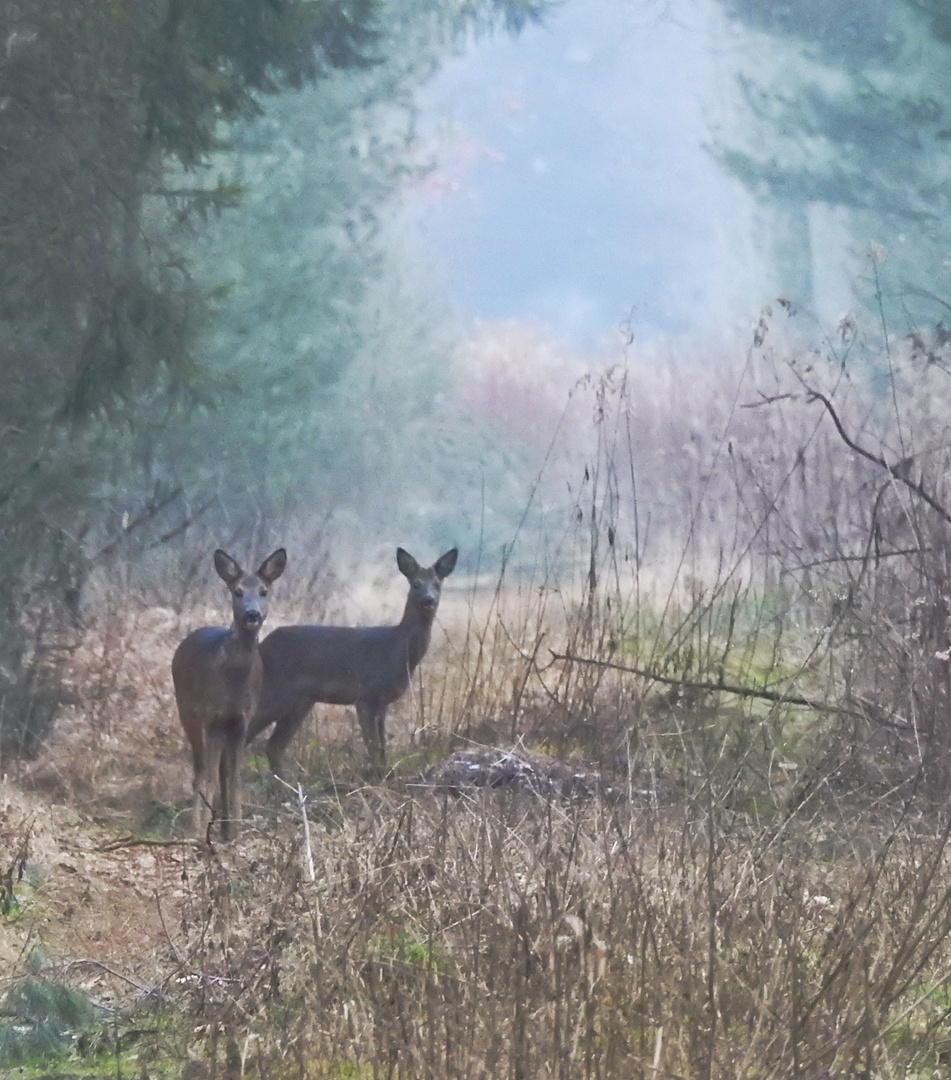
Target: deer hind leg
(372, 716)
(264, 713)
(285, 728)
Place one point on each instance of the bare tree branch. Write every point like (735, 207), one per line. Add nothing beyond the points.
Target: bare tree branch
(151, 510)
(184, 524)
(899, 471)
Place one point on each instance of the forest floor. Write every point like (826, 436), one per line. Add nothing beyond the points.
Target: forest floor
(95, 837)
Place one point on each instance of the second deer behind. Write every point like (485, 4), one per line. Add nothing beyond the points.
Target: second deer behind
(366, 666)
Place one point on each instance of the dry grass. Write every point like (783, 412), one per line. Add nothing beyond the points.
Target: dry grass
(497, 934)
(666, 925)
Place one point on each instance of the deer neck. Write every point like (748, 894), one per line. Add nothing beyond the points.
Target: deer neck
(416, 626)
(241, 641)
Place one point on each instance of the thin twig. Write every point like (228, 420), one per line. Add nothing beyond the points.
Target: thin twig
(151, 510)
(863, 558)
(185, 524)
(110, 971)
(302, 800)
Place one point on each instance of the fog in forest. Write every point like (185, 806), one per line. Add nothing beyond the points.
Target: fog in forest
(350, 292)
(573, 182)
(379, 282)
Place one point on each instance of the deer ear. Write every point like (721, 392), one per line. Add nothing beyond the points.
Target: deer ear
(409, 567)
(228, 569)
(445, 564)
(273, 566)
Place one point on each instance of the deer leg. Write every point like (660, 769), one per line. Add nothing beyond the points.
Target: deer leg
(365, 719)
(371, 716)
(380, 719)
(196, 741)
(199, 811)
(263, 716)
(229, 773)
(285, 728)
(206, 782)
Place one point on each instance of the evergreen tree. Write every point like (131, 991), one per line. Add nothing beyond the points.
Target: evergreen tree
(320, 326)
(847, 107)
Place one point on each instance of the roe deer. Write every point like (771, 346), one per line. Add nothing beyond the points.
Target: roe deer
(366, 666)
(217, 676)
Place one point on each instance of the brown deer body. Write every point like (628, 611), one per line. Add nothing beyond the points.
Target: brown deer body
(217, 672)
(366, 666)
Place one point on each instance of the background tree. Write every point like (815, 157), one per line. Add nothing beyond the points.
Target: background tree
(846, 121)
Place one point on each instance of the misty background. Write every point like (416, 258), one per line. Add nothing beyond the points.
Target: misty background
(573, 182)
(673, 167)
(347, 276)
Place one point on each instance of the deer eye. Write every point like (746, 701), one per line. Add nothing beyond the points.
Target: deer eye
(264, 592)
(239, 593)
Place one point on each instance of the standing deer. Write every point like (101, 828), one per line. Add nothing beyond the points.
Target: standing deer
(365, 666)
(217, 676)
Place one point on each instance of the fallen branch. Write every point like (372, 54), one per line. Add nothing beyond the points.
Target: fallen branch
(775, 696)
(148, 990)
(131, 841)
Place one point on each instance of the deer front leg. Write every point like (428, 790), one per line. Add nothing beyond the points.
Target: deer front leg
(230, 782)
(371, 716)
(206, 782)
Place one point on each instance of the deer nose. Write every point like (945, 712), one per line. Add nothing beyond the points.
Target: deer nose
(252, 616)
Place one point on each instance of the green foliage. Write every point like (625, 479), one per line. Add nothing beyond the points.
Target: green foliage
(405, 948)
(209, 61)
(97, 99)
(40, 1018)
(326, 340)
(98, 312)
(938, 16)
(848, 105)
